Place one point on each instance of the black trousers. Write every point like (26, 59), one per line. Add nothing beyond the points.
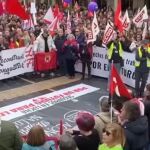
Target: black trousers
(70, 67)
(62, 64)
(84, 64)
(140, 82)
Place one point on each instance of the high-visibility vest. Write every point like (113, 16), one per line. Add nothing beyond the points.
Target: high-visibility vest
(137, 63)
(110, 50)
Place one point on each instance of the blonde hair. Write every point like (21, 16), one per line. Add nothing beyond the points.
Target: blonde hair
(117, 133)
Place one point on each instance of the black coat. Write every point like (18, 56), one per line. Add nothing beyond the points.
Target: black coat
(90, 142)
(59, 42)
(136, 133)
(147, 113)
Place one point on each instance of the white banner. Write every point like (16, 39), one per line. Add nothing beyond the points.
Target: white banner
(16, 61)
(100, 66)
(41, 102)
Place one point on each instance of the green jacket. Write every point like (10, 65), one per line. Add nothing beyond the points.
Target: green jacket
(105, 147)
(9, 137)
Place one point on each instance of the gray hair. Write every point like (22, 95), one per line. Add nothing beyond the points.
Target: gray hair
(70, 36)
(104, 103)
(67, 142)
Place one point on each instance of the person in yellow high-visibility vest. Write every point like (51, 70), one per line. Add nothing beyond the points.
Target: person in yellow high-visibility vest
(115, 51)
(142, 66)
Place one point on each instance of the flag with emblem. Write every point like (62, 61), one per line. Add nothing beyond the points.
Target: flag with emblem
(126, 21)
(116, 84)
(108, 34)
(95, 27)
(140, 17)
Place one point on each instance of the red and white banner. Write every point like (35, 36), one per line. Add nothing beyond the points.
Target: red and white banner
(140, 17)
(108, 34)
(49, 17)
(126, 21)
(41, 102)
(16, 61)
(90, 36)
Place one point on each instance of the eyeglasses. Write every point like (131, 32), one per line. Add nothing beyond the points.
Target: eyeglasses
(107, 132)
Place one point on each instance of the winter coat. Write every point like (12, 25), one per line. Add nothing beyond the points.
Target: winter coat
(49, 145)
(9, 136)
(101, 119)
(39, 44)
(70, 49)
(136, 133)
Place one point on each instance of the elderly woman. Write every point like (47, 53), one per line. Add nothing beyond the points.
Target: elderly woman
(70, 50)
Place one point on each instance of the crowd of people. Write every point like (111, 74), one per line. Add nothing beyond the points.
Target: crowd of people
(129, 126)
(126, 129)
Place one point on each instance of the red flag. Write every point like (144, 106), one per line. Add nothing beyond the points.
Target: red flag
(117, 20)
(15, 8)
(56, 10)
(1, 8)
(61, 127)
(45, 61)
(117, 85)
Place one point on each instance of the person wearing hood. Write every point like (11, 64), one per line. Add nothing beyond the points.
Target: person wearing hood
(135, 126)
(104, 116)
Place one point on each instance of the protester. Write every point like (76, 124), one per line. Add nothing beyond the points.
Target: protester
(71, 54)
(104, 116)
(44, 43)
(87, 137)
(9, 136)
(84, 53)
(113, 137)
(115, 53)
(36, 140)
(67, 142)
(142, 66)
(59, 42)
(135, 126)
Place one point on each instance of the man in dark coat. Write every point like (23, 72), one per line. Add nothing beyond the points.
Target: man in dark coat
(59, 42)
(84, 53)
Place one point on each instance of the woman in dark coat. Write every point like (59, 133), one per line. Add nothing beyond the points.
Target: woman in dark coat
(70, 49)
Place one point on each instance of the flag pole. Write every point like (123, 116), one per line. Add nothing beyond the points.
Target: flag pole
(111, 94)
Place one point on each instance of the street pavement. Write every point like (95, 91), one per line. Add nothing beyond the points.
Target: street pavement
(50, 117)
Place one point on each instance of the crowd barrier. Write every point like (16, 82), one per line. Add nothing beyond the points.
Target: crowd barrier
(18, 61)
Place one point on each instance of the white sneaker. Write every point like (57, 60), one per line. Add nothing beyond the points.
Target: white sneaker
(52, 74)
(42, 75)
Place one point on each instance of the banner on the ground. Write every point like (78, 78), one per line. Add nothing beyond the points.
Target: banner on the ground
(100, 65)
(42, 102)
(16, 61)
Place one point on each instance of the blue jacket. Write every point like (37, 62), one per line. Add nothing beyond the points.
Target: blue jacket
(49, 145)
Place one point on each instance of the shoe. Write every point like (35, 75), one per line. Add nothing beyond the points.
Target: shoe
(52, 74)
(82, 78)
(89, 76)
(42, 75)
